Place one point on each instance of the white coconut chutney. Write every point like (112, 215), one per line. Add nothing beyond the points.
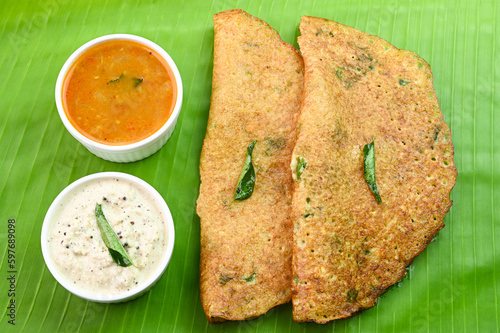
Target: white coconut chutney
(78, 250)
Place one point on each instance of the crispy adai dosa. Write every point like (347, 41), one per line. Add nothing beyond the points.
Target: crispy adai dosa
(347, 247)
(246, 246)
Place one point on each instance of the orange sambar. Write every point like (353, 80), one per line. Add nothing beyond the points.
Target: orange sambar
(119, 92)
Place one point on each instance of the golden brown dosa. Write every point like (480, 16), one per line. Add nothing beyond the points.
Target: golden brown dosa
(246, 246)
(348, 248)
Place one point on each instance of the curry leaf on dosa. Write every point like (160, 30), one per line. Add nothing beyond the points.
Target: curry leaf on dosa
(246, 182)
(369, 163)
(301, 166)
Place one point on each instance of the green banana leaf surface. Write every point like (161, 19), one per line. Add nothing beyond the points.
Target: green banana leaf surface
(453, 286)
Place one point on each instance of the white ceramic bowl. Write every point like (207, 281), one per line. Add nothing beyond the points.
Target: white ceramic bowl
(130, 152)
(124, 296)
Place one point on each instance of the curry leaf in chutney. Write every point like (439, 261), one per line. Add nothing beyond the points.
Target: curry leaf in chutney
(246, 182)
(369, 155)
(110, 239)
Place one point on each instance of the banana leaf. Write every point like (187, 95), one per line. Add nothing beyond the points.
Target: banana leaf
(453, 286)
